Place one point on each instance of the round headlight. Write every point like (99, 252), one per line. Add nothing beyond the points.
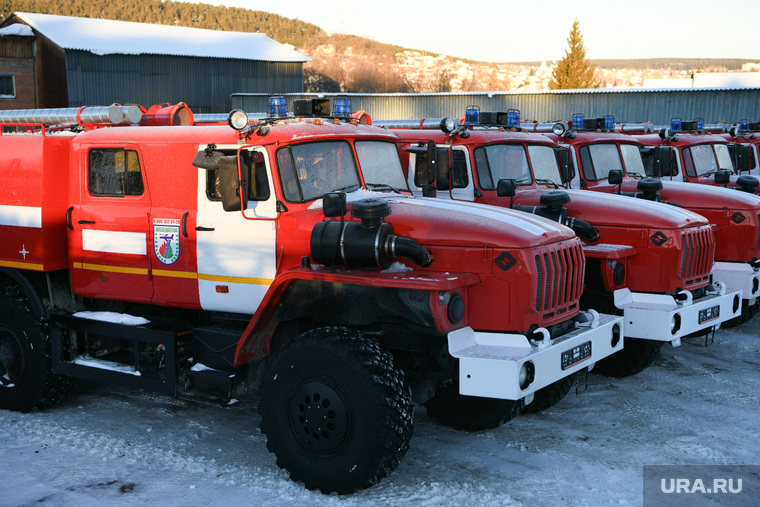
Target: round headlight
(448, 125)
(237, 119)
(558, 129)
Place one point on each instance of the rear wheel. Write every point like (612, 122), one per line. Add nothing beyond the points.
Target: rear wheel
(26, 378)
(335, 410)
(637, 355)
(470, 413)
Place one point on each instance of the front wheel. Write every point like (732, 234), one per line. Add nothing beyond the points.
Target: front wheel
(335, 410)
(470, 413)
(637, 355)
(550, 395)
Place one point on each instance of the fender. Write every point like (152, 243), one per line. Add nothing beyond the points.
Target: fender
(255, 342)
(31, 291)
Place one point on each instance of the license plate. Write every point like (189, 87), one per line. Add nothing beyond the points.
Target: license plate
(709, 314)
(576, 355)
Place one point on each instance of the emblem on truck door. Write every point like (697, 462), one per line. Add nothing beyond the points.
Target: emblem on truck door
(166, 239)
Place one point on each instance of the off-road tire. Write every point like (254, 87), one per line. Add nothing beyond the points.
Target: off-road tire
(550, 395)
(335, 410)
(27, 381)
(637, 355)
(748, 312)
(470, 413)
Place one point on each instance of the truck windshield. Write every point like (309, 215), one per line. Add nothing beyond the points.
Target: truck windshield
(597, 160)
(634, 164)
(544, 163)
(380, 164)
(501, 161)
(700, 160)
(310, 170)
(724, 157)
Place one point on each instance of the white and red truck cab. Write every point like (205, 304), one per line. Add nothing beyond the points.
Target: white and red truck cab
(609, 162)
(646, 261)
(274, 255)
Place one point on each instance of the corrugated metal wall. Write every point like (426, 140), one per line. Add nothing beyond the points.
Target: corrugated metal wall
(628, 105)
(204, 84)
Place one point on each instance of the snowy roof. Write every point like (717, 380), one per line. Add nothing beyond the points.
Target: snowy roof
(104, 36)
(18, 29)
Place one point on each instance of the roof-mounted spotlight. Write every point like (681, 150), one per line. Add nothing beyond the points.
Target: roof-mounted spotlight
(559, 129)
(237, 119)
(448, 125)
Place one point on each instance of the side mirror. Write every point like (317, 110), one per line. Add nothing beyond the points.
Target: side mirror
(615, 177)
(663, 161)
(563, 162)
(722, 178)
(742, 157)
(233, 185)
(506, 188)
(426, 167)
(334, 204)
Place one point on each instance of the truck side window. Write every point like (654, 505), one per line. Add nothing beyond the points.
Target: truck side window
(114, 172)
(258, 182)
(457, 172)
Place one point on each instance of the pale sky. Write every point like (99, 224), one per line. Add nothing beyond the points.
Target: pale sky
(535, 30)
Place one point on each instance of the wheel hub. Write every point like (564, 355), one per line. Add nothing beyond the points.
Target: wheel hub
(319, 417)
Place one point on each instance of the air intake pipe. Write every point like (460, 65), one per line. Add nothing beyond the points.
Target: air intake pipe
(369, 244)
(552, 207)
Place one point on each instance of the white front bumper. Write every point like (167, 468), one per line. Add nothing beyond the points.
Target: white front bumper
(660, 317)
(490, 363)
(738, 276)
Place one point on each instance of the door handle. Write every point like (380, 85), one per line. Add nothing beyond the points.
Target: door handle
(184, 223)
(68, 218)
(83, 222)
(204, 229)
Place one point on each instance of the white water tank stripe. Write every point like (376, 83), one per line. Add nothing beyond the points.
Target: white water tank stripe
(21, 216)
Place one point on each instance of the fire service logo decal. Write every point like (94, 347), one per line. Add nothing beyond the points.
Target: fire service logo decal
(166, 239)
(658, 238)
(505, 261)
(738, 217)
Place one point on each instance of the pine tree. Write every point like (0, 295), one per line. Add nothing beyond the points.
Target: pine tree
(574, 70)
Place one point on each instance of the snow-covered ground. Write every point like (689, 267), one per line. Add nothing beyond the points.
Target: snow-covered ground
(106, 446)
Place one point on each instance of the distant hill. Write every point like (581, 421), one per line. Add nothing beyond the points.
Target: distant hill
(347, 63)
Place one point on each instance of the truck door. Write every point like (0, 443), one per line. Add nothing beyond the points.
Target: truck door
(108, 229)
(454, 178)
(236, 250)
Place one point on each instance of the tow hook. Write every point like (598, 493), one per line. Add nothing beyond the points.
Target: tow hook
(587, 318)
(713, 290)
(546, 340)
(684, 298)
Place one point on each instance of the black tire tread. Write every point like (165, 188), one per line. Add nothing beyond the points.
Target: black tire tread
(470, 413)
(550, 395)
(387, 381)
(637, 355)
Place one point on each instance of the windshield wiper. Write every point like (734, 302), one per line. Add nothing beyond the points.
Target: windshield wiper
(384, 186)
(349, 188)
(635, 175)
(524, 181)
(546, 182)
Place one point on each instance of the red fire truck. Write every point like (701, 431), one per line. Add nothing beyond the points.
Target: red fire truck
(646, 261)
(273, 255)
(697, 153)
(610, 162)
